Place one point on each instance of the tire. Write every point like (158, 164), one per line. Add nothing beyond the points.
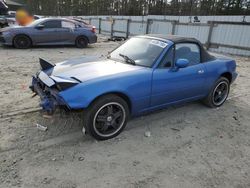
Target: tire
(81, 42)
(217, 95)
(22, 42)
(106, 117)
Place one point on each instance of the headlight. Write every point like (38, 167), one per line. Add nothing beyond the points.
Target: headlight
(64, 85)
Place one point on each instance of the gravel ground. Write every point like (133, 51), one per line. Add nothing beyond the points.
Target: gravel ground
(190, 145)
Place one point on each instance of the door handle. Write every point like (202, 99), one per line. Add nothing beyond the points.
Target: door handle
(200, 71)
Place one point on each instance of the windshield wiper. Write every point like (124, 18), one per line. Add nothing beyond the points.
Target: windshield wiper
(128, 59)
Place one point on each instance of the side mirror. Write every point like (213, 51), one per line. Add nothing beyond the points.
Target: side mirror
(181, 63)
(40, 27)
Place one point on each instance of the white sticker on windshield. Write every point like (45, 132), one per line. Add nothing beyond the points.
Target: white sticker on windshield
(158, 43)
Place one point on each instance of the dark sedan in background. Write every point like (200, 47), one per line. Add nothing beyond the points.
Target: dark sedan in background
(49, 31)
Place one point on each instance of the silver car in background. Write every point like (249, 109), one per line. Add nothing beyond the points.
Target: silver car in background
(49, 31)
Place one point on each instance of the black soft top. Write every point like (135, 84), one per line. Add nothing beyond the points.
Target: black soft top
(205, 56)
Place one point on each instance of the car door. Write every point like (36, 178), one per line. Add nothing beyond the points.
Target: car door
(170, 84)
(68, 31)
(49, 33)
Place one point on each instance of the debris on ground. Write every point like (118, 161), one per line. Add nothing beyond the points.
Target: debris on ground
(81, 159)
(47, 116)
(19, 112)
(41, 127)
(135, 163)
(175, 129)
(46, 180)
(116, 38)
(147, 134)
(235, 118)
(83, 130)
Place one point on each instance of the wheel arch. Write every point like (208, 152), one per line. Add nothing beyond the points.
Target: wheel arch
(120, 94)
(84, 36)
(227, 75)
(22, 34)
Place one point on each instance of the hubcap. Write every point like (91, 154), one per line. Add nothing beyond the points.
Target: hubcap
(81, 41)
(109, 119)
(22, 42)
(220, 93)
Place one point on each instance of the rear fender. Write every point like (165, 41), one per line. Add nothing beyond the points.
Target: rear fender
(215, 69)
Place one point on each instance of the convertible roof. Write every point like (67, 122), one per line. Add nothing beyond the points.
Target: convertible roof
(173, 38)
(205, 56)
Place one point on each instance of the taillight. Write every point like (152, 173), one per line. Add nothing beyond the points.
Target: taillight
(93, 29)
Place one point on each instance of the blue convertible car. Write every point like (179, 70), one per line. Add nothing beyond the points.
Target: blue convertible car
(146, 73)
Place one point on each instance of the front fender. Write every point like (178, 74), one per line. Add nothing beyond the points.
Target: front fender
(137, 89)
(81, 95)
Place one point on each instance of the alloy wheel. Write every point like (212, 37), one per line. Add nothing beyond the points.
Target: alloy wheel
(22, 42)
(109, 119)
(220, 93)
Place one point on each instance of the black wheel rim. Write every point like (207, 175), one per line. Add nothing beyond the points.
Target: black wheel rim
(22, 42)
(220, 93)
(109, 119)
(81, 42)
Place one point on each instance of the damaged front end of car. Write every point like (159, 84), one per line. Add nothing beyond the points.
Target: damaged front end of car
(48, 87)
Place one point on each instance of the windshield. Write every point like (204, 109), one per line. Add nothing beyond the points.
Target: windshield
(139, 51)
(34, 23)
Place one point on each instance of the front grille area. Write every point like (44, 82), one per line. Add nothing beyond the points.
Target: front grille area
(40, 84)
(2, 39)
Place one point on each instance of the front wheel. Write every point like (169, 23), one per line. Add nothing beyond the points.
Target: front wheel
(22, 42)
(106, 117)
(219, 93)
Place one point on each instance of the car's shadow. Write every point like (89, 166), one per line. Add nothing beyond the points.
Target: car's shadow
(66, 128)
(62, 123)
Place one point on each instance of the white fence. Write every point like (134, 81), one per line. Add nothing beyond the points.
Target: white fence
(227, 34)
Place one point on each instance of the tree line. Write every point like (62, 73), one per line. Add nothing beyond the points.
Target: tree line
(138, 7)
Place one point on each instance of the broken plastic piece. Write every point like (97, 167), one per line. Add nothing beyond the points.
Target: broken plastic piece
(41, 127)
(83, 130)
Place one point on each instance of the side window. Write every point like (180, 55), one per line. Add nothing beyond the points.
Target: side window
(68, 25)
(167, 60)
(189, 51)
(52, 24)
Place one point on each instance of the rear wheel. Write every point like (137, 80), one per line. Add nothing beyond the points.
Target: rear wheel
(106, 117)
(22, 42)
(219, 93)
(81, 42)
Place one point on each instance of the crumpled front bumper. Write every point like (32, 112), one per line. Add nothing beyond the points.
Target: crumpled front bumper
(234, 76)
(6, 39)
(50, 98)
(2, 40)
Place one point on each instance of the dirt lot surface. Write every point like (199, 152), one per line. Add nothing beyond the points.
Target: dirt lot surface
(190, 145)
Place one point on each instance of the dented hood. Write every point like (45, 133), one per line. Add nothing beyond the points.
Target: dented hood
(84, 69)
